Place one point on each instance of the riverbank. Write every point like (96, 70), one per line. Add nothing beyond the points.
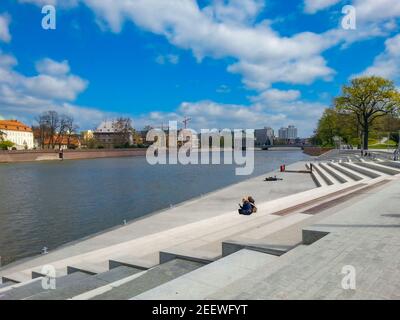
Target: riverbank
(54, 155)
(212, 205)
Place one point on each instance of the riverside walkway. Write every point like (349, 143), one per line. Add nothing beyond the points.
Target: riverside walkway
(309, 229)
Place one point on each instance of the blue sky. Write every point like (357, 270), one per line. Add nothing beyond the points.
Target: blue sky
(235, 63)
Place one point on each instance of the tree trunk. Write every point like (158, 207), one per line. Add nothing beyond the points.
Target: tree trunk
(366, 135)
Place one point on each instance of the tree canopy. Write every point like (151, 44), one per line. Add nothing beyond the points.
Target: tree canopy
(367, 99)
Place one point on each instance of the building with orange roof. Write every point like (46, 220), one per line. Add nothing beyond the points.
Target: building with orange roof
(63, 142)
(18, 133)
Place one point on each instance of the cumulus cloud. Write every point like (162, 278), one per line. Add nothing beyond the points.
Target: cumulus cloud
(53, 88)
(367, 11)
(5, 35)
(61, 3)
(224, 29)
(235, 11)
(312, 6)
(273, 108)
(52, 68)
(275, 95)
(372, 10)
(229, 28)
(387, 64)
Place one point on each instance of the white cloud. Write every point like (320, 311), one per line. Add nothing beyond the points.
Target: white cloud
(61, 3)
(169, 58)
(228, 28)
(387, 64)
(224, 29)
(275, 95)
(373, 10)
(273, 108)
(366, 10)
(235, 11)
(53, 68)
(312, 6)
(5, 35)
(24, 97)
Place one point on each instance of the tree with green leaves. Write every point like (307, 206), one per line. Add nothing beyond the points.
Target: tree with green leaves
(368, 98)
(6, 145)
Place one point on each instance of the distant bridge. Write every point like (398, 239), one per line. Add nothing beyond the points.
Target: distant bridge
(295, 145)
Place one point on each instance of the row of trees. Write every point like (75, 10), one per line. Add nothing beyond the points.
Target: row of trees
(367, 106)
(52, 128)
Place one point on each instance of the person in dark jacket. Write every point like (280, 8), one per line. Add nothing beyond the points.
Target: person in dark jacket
(252, 203)
(245, 208)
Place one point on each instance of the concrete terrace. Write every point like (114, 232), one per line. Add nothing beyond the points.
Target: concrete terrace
(308, 227)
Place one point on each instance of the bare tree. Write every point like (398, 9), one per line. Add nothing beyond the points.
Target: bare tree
(53, 128)
(43, 129)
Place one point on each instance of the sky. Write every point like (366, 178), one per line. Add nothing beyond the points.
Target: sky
(235, 64)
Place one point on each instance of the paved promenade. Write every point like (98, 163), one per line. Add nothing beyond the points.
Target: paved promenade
(364, 233)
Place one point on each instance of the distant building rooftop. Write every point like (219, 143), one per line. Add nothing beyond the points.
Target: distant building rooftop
(14, 125)
(107, 126)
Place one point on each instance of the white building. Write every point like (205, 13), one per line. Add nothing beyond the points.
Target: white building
(111, 133)
(292, 132)
(283, 133)
(289, 133)
(18, 133)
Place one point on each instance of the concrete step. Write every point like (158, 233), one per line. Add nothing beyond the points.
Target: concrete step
(325, 177)
(148, 280)
(392, 164)
(254, 233)
(360, 170)
(35, 287)
(259, 232)
(314, 177)
(317, 178)
(345, 171)
(206, 281)
(339, 177)
(6, 284)
(73, 288)
(291, 235)
(380, 168)
(200, 283)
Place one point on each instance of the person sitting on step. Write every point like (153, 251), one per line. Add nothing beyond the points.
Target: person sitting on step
(245, 207)
(252, 203)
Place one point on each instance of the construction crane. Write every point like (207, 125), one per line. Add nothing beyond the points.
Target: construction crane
(186, 121)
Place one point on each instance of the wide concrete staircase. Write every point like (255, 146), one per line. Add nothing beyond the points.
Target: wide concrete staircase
(211, 253)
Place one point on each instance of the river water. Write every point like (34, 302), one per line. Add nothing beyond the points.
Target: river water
(47, 204)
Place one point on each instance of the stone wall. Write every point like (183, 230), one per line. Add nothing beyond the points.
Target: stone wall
(316, 151)
(48, 155)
